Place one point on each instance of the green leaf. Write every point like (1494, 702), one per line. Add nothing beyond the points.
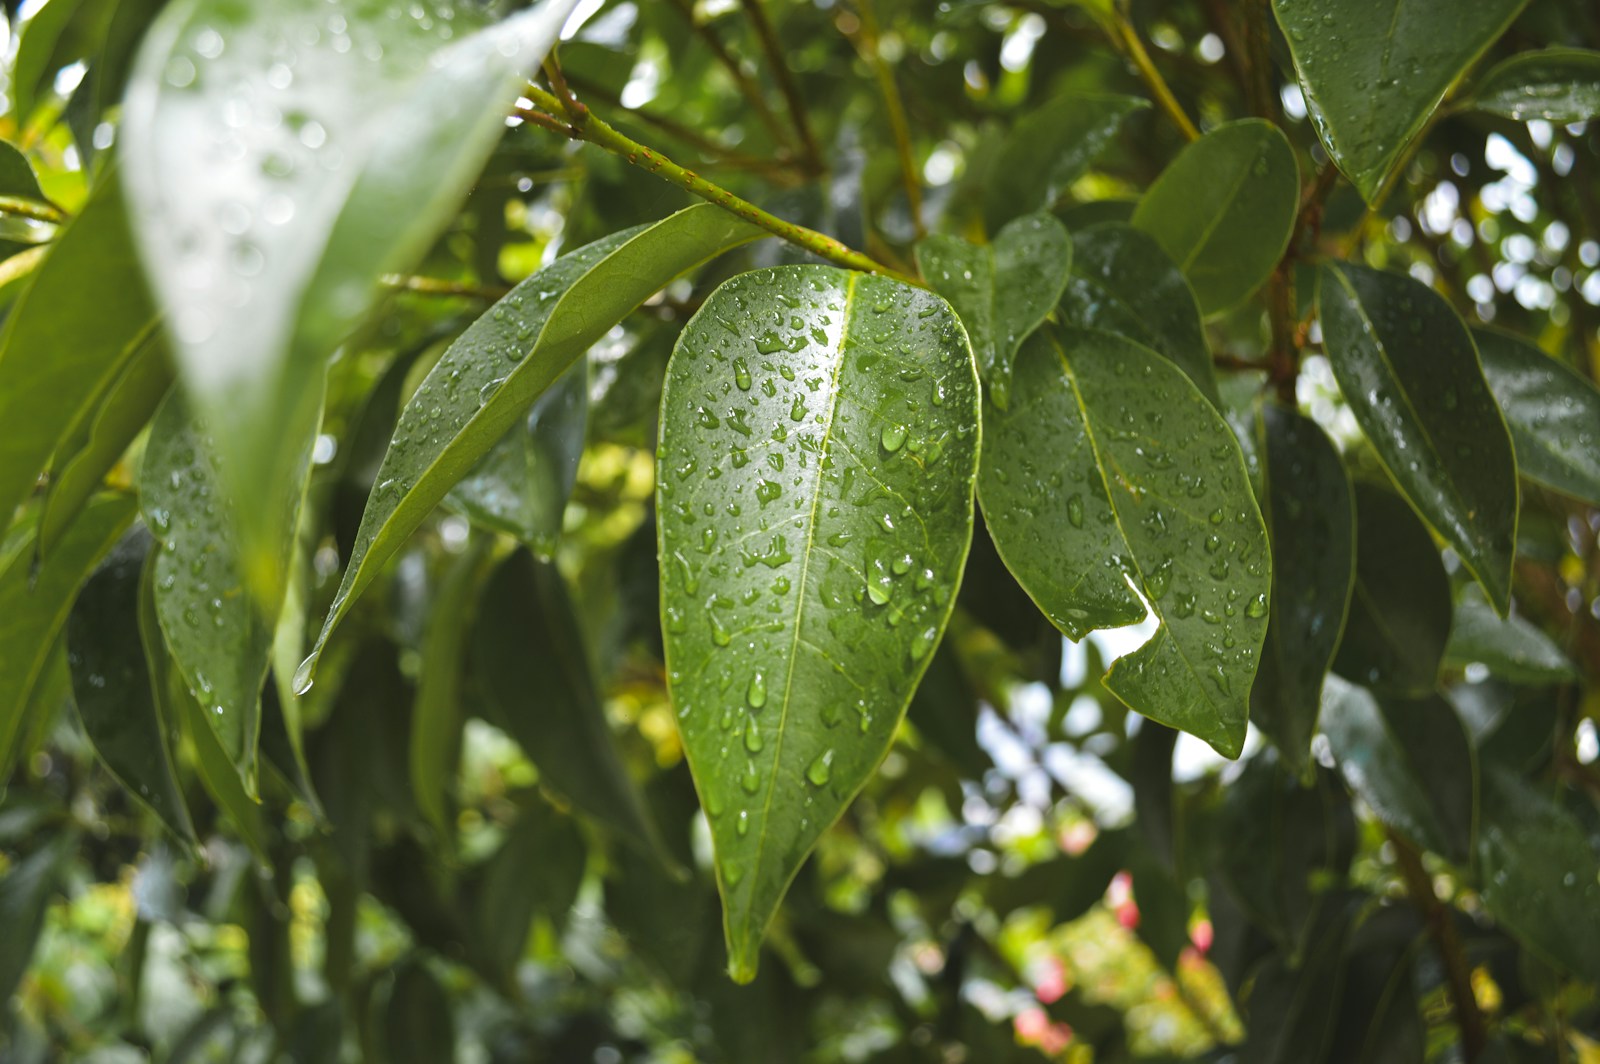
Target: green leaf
(273, 183)
(1513, 649)
(1129, 474)
(1002, 291)
(1292, 1012)
(1372, 73)
(945, 712)
(1311, 517)
(1399, 617)
(1409, 760)
(1556, 84)
(1123, 282)
(73, 329)
(418, 1025)
(528, 653)
(48, 43)
(1551, 410)
(113, 689)
(814, 491)
(16, 174)
(25, 894)
(1224, 210)
(101, 433)
(1050, 148)
(435, 752)
(505, 360)
(1410, 373)
(1540, 875)
(521, 486)
(537, 869)
(34, 604)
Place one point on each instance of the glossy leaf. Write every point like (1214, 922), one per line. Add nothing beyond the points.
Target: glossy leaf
(818, 448)
(1399, 617)
(1553, 413)
(71, 331)
(528, 653)
(1410, 761)
(112, 685)
(521, 486)
(505, 360)
(1540, 874)
(1410, 373)
(34, 604)
(1556, 84)
(1372, 74)
(1050, 148)
(1224, 210)
(1311, 517)
(1168, 505)
(1123, 282)
(1001, 290)
(25, 893)
(1513, 649)
(279, 158)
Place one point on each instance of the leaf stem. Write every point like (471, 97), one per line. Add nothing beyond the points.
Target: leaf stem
(768, 37)
(600, 133)
(436, 286)
(1441, 925)
(741, 78)
(1126, 35)
(27, 208)
(866, 40)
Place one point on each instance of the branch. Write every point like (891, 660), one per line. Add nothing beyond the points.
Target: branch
(598, 132)
(27, 208)
(780, 70)
(866, 40)
(435, 286)
(746, 84)
(1441, 924)
(1124, 34)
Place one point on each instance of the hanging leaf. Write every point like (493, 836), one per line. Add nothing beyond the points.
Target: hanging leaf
(418, 1024)
(1551, 411)
(1002, 291)
(537, 870)
(504, 361)
(1510, 647)
(1410, 373)
(25, 893)
(1050, 148)
(113, 689)
(1124, 283)
(815, 475)
(1126, 473)
(1556, 85)
(279, 158)
(1224, 210)
(1373, 74)
(1311, 517)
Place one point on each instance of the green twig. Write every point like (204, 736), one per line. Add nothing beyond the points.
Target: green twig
(598, 132)
(1441, 925)
(434, 286)
(741, 77)
(786, 84)
(27, 208)
(867, 40)
(1126, 36)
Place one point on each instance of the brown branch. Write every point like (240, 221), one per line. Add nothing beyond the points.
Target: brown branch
(867, 39)
(1442, 926)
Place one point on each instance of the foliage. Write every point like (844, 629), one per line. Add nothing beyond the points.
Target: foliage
(800, 530)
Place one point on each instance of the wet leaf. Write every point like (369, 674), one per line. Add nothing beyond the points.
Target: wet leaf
(279, 158)
(1513, 649)
(1408, 368)
(815, 475)
(34, 604)
(505, 360)
(1311, 516)
(113, 689)
(1123, 282)
(1372, 74)
(1556, 84)
(1399, 618)
(72, 330)
(1002, 290)
(1224, 210)
(1050, 148)
(1552, 412)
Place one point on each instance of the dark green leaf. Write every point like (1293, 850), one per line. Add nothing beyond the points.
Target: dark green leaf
(1124, 283)
(418, 1026)
(1224, 210)
(1556, 84)
(34, 605)
(72, 330)
(1399, 619)
(1552, 413)
(538, 869)
(1292, 1011)
(1002, 290)
(1410, 761)
(1049, 149)
(113, 688)
(528, 653)
(945, 710)
(16, 174)
(1512, 648)
(57, 33)
(265, 225)
(1311, 516)
(814, 485)
(521, 486)
(504, 361)
(1408, 368)
(1372, 73)
(25, 894)
(1379, 1018)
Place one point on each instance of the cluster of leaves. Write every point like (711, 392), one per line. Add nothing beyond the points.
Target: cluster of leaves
(476, 584)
